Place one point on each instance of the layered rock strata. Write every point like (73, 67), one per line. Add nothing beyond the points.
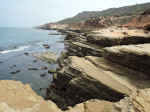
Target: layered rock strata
(91, 43)
(16, 97)
(92, 69)
(133, 56)
(118, 36)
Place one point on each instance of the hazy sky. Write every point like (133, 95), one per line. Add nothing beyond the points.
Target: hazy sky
(28, 13)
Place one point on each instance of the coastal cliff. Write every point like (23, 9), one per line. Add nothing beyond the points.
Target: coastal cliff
(104, 68)
(92, 68)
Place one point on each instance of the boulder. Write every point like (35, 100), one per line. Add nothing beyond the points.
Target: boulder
(16, 97)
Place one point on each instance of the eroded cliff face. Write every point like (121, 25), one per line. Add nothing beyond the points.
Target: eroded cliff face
(105, 70)
(107, 21)
(141, 21)
(101, 71)
(101, 65)
(92, 23)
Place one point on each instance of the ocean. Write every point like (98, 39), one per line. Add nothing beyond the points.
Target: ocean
(14, 43)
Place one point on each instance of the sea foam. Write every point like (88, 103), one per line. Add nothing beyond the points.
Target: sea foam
(15, 50)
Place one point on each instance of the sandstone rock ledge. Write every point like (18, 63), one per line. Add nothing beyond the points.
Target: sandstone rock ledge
(137, 102)
(118, 36)
(93, 77)
(133, 56)
(102, 65)
(16, 97)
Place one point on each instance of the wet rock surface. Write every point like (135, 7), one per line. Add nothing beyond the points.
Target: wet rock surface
(81, 77)
(43, 75)
(33, 69)
(26, 53)
(50, 57)
(15, 72)
(46, 46)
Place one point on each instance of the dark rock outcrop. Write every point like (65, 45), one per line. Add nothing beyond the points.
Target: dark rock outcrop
(26, 53)
(46, 46)
(89, 71)
(97, 78)
(133, 56)
(15, 72)
(147, 12)
(33, 68)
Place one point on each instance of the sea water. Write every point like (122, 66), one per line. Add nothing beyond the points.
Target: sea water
(14, 42)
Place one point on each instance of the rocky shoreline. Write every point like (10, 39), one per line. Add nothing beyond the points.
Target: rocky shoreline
(105, 65)
(98, 72)
(102, 70)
